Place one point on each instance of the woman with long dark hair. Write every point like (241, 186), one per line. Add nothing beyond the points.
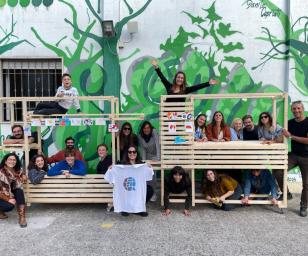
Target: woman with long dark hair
(177, 182)
(267, 131)
(11, 192)
(200, 127)
(179, 84)
(37, 169)
(127, 137)
(148, 140)
(105, 160)
(218, 130)
(219, 187)
(130, 191)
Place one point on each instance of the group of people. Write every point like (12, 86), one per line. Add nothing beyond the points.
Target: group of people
(216, 187)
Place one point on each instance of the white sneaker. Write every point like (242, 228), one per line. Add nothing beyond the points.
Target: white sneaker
(153, 198)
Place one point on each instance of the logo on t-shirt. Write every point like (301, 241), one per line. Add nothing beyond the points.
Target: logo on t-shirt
(129, 184)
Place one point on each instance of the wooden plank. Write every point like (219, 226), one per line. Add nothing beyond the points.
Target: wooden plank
(71, 190)
(239, 145)
(62, 185)
(223, 166)
(72, 176)
(240, 152)
(73, 181)
(76, 195)
(70, 200)
(218, 161)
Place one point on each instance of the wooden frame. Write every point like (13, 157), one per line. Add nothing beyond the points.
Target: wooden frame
(91, 188)
(194, 156)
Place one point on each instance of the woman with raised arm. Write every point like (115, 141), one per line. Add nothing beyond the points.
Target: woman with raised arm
(218, 130)
(179, 85)
(11, 192)
(267, 131)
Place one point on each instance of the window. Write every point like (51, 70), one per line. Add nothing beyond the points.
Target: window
(28, 78)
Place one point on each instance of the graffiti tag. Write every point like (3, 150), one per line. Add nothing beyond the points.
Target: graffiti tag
(264, 11)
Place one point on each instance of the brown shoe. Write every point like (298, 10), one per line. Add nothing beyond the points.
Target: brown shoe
(3, 216)
(22, 215)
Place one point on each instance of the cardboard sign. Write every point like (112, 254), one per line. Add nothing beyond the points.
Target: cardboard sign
(113, 128)
(172, 127)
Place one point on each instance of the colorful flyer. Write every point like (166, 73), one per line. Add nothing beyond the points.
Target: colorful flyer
(36, 122)
(100, 121)
(172, 127)
(75, 121)
(27, 130)
(189, 127)
(186, 116)
(50, 122)
(172, 115)
(113, 128)
(88, 121)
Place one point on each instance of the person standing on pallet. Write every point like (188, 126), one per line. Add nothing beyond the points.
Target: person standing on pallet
(298, 157)
(179, 85)
(60, 106)
(11, 192)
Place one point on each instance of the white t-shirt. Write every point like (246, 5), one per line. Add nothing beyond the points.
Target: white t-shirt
(130, 187)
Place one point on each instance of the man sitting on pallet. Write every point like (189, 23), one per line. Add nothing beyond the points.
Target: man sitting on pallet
(68, 166)
(17, 137)
(60, 156)
(60, 106)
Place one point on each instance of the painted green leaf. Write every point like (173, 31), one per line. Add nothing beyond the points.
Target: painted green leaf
(24, 3)
(36, 3)
(234, 59)
(47, 3)
(224, 30)
(194, 19)
(212, 15)
(12, 3)
(179, 44)
(2, 3)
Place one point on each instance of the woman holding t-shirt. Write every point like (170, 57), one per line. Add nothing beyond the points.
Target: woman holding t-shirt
(179, 85)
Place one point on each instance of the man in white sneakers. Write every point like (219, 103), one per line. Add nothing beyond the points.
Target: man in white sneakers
(60, 106)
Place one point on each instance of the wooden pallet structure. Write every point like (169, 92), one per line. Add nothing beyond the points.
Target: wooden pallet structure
(176, 120)
(91, 188)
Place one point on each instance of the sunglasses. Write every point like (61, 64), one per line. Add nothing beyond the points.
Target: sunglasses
(132, 152)
(263, 117)
(126, 128)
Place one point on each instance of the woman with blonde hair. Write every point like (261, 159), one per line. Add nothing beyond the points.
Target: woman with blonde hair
(236, 129)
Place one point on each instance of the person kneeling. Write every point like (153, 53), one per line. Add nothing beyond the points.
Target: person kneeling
(177, 182)
(218, 188)
(260, 182)
(68, 166)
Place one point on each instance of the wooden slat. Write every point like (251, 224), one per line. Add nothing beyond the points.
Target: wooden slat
(73, 181)
(59, 195)
(70, 200)
(71, 190)
(223, 157)
(240, 152)
(62, 185)
(222, 166)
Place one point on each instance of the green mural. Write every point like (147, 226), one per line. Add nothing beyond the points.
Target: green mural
(180, 54)
(25, 3)
(104, 79)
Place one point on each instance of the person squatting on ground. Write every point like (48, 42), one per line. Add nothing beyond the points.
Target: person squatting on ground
(217, 188)
(11, 191)
(177, 182)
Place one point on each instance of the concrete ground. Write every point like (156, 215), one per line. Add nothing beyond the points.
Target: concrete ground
(88, 229)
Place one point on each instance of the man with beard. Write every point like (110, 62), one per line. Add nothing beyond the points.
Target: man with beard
(250, 131)
(60, 156)
(298, 157)
(17, 137)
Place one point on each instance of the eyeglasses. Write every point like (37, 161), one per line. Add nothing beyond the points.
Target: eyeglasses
(132, 152)
(263, 117)
(126, 128)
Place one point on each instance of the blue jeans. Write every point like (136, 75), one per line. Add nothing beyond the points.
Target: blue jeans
(19, 197)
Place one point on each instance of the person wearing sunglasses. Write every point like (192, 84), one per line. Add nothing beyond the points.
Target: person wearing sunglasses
(267, 131)
(130, 190)
(127, 137)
